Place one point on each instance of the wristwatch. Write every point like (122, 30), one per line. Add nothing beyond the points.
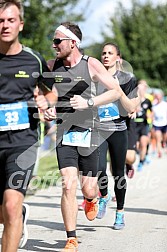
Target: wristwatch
(90, 102)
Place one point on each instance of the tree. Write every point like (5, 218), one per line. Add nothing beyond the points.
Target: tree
(141, 36)
(41, 17)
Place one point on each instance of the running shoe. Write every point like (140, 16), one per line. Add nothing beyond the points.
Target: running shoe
(140, 167)
(130, 171)
(103, 206)
(159, 154)
(71, 245)
(119, 221)
(163, 144)
(24, 237)
(91, 209)
(147, 159)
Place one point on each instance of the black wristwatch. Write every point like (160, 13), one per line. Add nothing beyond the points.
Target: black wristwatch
(90, 102)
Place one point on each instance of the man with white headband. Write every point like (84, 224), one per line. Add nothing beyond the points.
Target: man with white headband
(77, 137)
(69, 34)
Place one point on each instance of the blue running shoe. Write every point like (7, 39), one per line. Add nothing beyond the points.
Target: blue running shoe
(102, 206)
(140, 167)
(119, 221)
(147, 159)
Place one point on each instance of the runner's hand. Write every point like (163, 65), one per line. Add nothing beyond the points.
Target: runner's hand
(132, 115)
(40, 99)
(50, 114)
(77, 102)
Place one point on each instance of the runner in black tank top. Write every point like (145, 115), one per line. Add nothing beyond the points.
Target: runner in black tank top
(77, 137)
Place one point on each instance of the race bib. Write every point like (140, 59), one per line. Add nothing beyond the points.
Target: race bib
(77, 138)
(14, 116)
(108, 112)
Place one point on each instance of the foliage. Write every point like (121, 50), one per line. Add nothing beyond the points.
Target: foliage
(141, 36)
(41, 18)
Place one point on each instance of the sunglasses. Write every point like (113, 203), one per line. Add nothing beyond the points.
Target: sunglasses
(57, 41)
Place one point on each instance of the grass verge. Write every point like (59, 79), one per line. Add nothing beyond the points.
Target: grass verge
(48, 172)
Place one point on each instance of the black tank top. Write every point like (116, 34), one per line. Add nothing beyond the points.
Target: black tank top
(74, 81)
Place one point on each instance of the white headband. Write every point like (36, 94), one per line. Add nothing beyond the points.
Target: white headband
(69, 34)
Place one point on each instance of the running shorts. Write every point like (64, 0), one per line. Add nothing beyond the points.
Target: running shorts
(85, 159)
(163, 129)
(141, 130)
(16, 168)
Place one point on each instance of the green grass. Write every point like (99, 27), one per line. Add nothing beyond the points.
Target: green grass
(48, 172)
(47, 163)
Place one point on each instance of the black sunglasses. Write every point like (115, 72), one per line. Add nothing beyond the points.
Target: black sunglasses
(57, 41)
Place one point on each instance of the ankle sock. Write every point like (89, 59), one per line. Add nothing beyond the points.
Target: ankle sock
(89, 200)
(71, 233)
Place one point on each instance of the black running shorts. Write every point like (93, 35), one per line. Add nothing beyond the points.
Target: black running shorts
(83, 158)
(16, 168)
(79, 157)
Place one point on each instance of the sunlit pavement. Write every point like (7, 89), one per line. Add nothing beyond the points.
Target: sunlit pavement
(145, 217)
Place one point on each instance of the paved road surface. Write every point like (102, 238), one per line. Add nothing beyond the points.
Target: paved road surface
(145, 216)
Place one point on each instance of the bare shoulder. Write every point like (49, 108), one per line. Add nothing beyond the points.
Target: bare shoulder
(50, 63)
(94, 62)
(95, 68)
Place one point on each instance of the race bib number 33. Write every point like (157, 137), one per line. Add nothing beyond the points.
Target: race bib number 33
(14, 116)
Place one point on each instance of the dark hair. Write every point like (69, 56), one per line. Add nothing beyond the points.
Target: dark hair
(114, 45)
(118, 63)
(18, 3)
(74, 28)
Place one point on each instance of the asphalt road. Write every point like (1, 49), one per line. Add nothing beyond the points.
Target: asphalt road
(145, 217)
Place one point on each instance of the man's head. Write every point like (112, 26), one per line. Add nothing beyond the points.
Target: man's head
(71, 31)
(6, 3)
(67, 37)
(74, 28)
(11, 20)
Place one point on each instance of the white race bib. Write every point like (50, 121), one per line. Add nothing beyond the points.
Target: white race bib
(77, 138)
